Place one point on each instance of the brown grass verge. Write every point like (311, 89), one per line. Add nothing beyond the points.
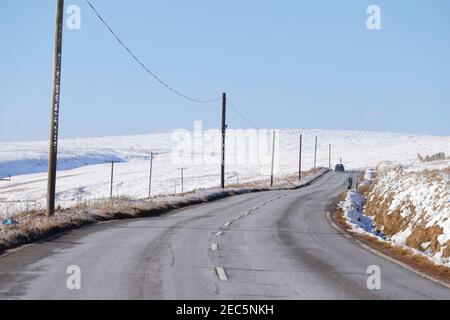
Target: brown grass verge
(446, 252)
(421, 234)
(404, 255)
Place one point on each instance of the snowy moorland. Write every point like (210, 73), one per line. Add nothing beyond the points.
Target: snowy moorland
(83, 174)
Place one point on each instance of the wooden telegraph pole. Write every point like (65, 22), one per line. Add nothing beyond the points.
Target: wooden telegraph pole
(329, 156)
(300, 159)
(53, 148)
(273, 158)
(150, 176)
(182, 180)
(224, 127)
(112, 178)
(315, 156)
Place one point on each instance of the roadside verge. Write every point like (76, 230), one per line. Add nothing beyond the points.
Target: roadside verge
(402, 256)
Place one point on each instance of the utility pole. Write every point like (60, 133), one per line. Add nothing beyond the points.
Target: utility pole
(329, 156)
(112, 178)
(182, 180)
(224, 127)
(53, 148)
(300, 159)
(315, 156)
(150, 176)
(273, 158)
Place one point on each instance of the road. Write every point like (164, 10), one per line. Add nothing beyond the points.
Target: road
(268, 245)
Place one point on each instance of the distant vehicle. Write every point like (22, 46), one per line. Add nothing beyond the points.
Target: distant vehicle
(339, 167)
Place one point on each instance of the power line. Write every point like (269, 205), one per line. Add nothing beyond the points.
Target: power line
(143, 65)
(241, 115)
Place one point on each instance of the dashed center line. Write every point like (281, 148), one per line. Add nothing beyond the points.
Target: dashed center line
(248, 212)
(214, 246)
(221, 273)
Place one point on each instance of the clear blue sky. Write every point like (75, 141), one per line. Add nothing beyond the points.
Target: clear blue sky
(284, 64)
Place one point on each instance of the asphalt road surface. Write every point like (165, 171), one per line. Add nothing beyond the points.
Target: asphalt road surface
(269, 245)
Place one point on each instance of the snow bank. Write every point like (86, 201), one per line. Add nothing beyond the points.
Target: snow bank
(353, 208)
(410, 203)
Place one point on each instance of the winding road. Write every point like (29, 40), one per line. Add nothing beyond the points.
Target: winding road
(268, 245)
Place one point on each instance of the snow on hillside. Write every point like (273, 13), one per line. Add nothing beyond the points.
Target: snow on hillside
(83, 173)
(410, 203)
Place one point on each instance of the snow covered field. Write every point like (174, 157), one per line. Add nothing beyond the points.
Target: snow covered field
(83, 173)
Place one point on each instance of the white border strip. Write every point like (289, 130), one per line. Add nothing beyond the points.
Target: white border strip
(221, 273)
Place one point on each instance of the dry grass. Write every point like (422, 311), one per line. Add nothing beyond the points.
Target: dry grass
(365, 189)
(421, 234)
(446, 251)
(392, 221)
(337, 213)
(409, 257)
(404, 255)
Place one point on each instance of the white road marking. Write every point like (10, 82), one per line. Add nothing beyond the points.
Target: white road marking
(214, 247)
(221, 273)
